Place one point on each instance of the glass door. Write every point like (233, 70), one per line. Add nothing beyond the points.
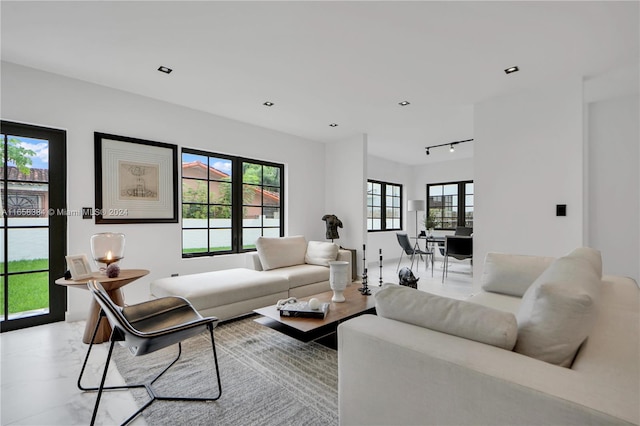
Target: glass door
(33, 225)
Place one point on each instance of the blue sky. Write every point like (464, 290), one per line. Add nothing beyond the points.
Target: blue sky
(41, 147)
(221, 164)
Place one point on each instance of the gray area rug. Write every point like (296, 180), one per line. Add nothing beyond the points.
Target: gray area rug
(267, 379)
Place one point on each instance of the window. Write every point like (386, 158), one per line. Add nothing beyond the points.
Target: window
(384, 206)
(451, 204)
(228, 202)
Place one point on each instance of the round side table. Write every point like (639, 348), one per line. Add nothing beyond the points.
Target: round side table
(112, 285)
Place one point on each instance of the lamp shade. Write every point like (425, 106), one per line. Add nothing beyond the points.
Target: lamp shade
(416, 205)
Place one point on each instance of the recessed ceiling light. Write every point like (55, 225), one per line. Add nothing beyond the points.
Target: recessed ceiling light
(511, 69)
(333, 125)
(404, 103)
(268, 104)
(165, 70)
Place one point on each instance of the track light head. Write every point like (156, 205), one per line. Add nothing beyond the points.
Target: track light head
(428, 151)
(451, 148)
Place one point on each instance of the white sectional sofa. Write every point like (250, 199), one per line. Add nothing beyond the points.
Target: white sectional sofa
(281, 268)
(428, 360)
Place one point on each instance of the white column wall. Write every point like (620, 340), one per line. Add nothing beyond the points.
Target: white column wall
(613, 179)
(528, 158)
(346, 187)
(81, 108)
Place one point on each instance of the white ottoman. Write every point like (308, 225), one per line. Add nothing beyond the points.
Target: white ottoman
(225, 294)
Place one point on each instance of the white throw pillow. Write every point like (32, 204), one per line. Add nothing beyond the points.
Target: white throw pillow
(456, 317)
(321, 253)
(512, 274)
(281, 252)
(558, 311)
(592, 256)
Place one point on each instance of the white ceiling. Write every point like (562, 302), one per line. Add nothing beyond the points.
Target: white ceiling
(346, 62)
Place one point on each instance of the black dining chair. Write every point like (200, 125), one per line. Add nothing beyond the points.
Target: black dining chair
(144, 328)
(459, 247)
(463, 231)
(412, 250)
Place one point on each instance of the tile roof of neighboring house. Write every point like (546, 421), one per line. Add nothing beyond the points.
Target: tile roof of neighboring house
(38, 175)
(201, 165)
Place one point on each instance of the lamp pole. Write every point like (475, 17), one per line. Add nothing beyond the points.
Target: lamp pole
(415, 206)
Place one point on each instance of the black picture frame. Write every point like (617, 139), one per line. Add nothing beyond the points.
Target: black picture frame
(136, 180)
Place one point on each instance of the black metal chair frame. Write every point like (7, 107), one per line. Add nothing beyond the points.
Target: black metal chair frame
(121, 332)
(412, 251)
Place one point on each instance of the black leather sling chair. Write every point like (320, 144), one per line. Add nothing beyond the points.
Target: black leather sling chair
(145, 328)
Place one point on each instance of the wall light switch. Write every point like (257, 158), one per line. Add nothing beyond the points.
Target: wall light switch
(561, 209)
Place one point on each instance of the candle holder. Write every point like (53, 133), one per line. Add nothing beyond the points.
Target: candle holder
(364, 290)
(107, 248)
(380, 279)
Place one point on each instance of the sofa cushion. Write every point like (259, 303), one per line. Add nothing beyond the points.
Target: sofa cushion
(592, 256)
(281, 252)
(558, 311)
(218, 288)
(456, 317)
(321, 253)
(512, 274)
(299, 275)
(501, 302)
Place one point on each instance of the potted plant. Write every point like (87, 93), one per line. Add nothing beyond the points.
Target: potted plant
(430, 221)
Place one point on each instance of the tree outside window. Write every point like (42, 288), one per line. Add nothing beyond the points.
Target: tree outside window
(223, 214)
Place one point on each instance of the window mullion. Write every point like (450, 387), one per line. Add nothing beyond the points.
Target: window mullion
(237, 205)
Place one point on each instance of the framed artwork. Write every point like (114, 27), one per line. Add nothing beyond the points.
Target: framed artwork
(79, 267)
(136, 180)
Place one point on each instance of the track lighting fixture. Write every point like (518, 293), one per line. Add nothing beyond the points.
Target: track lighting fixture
(450, 144)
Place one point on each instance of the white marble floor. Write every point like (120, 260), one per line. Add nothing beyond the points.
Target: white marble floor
(457, 283)
(39, 370)
(40, 365)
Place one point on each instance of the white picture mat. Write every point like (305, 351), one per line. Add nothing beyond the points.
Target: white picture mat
(114, 206)
(79, 266)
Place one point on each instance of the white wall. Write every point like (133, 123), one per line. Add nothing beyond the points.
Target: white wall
(346, 184)
(81, 108)
(614, 210)
(528, 158)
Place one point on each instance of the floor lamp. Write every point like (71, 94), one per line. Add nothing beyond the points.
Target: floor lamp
(416, 206)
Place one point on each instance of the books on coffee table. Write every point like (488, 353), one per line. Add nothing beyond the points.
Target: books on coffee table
(302, 310)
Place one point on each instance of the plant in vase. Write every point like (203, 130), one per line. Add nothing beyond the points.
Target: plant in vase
(430, 221)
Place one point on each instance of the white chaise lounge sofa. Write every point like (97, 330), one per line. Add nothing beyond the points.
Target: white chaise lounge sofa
(429, 360)
(280, 268)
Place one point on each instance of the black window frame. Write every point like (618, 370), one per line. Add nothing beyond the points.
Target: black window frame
(461, 218)
(57, 193)
(237, 202)
(383, 206)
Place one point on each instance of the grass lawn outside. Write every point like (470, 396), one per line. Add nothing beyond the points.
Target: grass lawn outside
(29, 291)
